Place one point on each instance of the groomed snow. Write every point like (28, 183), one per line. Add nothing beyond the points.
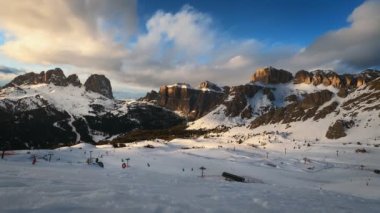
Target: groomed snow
(172, 182)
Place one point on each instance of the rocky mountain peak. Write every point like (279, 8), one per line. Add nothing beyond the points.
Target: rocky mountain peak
(328, 78)
(74, 80)
(56, 77)
(53, 76)
(207, 85)
(271, 75)
(99, 84)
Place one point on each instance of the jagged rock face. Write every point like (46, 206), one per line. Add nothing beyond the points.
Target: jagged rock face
(74, 80)
(303, 77)
(151, 96)
(190, 102)
(238, 103)
(343, 92)
(28, 78)
(99, 84)
(349, 80)
(209, 85)
(270, 75)
(291, 98)
(317, 77)
(337, 130)
(360, 81)
(55, 76)
(316, 99)
(331, 78)
(45, 126)
(296, 111)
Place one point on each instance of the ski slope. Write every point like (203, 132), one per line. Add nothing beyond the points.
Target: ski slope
(172, 183)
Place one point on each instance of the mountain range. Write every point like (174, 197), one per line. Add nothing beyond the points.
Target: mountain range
(48, 109)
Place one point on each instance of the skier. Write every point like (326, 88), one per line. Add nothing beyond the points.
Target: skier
(34, 160)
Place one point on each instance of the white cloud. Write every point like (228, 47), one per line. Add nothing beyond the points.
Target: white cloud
(184, 46)
(353, 47)
(79, 33)
(92, 36)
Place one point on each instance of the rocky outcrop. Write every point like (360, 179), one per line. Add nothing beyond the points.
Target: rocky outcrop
(316, 99)
(238, 104)
(151, 96)
(74, 80)
(207, 85)
(343, 92)
(55, 76)
(328, 78)
(99, 84)
(190, 102)
(296, 111)
(303, 77)
(270, 75)
(338, 129)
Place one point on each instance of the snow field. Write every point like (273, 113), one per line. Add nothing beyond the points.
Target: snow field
(284, 182)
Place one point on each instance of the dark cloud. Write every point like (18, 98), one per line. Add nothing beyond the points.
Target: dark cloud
(9, 70)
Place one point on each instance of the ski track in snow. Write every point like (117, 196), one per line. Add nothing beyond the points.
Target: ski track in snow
(73, 127)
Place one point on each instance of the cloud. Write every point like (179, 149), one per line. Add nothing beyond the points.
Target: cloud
(354, 47)
(94, 36)
(10, 70)
(79, 33)
(8, 73)
(184, 46)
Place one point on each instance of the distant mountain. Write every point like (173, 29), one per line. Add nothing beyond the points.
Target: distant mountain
(49, 109)
(329, 105)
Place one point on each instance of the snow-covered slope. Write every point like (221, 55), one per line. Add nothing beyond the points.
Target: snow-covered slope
(311, 114)
(46, 115)
(258, 104)
(167, 179)
(74, 100)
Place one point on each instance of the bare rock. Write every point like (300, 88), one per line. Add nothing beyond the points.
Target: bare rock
(342, 92)
(190, 102)
(74, 80)
(337, 130)
(291, 98)
(99, 84)
(207, 85)
(238, 103)
(316, 99)
(151, 96)
(56, 77)
(318, 77)
(270, 75)
(334, 79)
(303, 76)
(349, 80)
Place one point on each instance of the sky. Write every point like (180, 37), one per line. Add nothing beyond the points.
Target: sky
(142, 44)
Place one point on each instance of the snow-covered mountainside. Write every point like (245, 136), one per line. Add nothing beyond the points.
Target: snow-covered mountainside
(313, 105)
(42, 113)
(308, 143)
